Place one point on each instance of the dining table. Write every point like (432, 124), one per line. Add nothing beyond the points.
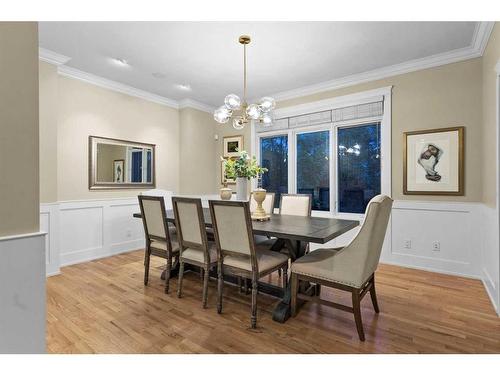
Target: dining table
(294, 232)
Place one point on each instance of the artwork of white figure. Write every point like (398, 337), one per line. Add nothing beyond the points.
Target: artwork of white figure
(428, 159)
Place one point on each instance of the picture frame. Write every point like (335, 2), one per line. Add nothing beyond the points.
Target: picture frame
(118, 171)
(223, 178)
(433, 161)
(232, 146)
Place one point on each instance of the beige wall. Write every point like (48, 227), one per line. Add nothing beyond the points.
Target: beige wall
(108, 153)
(197, 152)
(83, 109)
(444, 96)
(48, 132)
(227, 130)
(489, 137)
(19, 185)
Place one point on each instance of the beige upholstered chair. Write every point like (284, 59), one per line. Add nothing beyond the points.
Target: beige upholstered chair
(351, 268)
(194, 246)
(158, 241)
(236, 251)
(295, 204)
(268, 203)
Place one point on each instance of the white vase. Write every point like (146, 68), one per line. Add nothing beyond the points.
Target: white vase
(241, 188)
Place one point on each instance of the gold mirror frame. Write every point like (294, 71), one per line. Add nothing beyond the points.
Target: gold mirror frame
(92, 172)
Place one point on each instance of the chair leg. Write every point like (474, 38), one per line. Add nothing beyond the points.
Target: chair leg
(167, 273)
(181, 276)
(206, 275)
(220, 282)
(373, 295)
(294, 289)
(147, 257)
(254, 302)
(279, 272)
(357, 313)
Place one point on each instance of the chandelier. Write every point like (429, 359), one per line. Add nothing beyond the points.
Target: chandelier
(239, 110)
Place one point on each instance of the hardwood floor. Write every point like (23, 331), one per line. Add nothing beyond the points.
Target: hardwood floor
(103, 307)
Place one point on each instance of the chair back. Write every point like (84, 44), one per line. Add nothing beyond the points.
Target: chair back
(363, 253)
(233, 229)
(190, 224)
(268, 203)
(154, 218)
(295, 204)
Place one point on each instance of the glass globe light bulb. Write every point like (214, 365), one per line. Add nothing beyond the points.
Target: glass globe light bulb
(232, 102)
(267, 104)
(238, 124)
(222, 115)
(267, 120)
(253, 111)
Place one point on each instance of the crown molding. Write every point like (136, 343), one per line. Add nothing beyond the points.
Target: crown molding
(190, 103)
(52, 57)
(476, 49)
(67, 71)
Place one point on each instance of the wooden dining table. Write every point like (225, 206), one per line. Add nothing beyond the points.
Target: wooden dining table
(294, 232)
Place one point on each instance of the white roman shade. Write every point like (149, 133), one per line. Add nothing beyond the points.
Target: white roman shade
(354, 112)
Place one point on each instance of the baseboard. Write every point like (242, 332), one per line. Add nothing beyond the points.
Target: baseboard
(489, 285)
(431, 269)
(88, 255)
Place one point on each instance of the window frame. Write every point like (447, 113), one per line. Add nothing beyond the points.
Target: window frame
(332, 127)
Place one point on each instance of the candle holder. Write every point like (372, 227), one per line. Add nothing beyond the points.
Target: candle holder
(260, 214)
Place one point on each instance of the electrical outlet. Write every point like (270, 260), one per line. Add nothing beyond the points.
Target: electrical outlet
(128, 233)
(436, 246)
(407, 244)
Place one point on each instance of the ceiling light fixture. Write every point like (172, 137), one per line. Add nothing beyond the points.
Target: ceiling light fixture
(184, 87)
(239, 110)
(120, 62)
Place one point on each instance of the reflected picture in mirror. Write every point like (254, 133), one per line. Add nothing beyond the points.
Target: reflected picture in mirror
(116, 164)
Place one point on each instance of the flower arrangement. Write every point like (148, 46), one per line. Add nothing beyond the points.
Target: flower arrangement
(244, 166)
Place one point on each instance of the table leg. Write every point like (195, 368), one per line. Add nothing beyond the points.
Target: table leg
(283, 310)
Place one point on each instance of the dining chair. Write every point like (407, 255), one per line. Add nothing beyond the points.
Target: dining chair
(194, 247)
(351, 268)
(236, 251)
(156, 230)
(295, 204)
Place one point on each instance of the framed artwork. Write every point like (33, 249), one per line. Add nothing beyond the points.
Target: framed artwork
(232, 146)
(433, 161)
(223, 177)
(118, 171)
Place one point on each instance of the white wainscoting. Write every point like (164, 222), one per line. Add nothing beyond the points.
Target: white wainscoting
(79, 231)
(467, 234)
(490, 253)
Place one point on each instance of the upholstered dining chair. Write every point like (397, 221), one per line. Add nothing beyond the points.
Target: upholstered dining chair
(158, 239)
(295, 204)
(236, 251)
(193, 242)
(351, 268)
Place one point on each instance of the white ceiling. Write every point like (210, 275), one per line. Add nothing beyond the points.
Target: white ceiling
(282, 56)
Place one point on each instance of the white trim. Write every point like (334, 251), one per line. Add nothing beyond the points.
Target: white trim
(481, 36)
(190, 103)
(59, 60)
(475, 49)
(52, 57)
(361, 97)
(23, 235)
(67, 71)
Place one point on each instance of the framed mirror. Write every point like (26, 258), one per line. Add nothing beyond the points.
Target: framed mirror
(120, 164)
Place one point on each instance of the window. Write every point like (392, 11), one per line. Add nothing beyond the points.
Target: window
(274, 157)
(358, 164)
(313, 167)
(339, 148)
